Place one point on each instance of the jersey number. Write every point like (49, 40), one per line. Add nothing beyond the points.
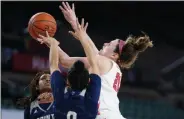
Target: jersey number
(117, 82)
(73, 114)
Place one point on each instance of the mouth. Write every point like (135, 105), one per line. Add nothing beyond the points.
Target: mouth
(47, 84)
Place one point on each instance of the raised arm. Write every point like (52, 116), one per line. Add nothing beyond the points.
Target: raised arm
(94, 87)
(70, 16)
(64, 59)
(57, 80)
(53, 54)
(80, 33)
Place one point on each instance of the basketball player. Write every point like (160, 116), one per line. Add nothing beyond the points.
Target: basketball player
(80, 101)
(40, 104)
(113, 57)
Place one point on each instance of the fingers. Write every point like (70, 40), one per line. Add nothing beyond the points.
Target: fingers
(86, 26)
(73, 34)
(40, 40)
(82, 23)
(41, 36)
(47, 34)
(61, 8)
(78, 25)
(81, 26)
(68, 6)
(65, 6)
(73, 7)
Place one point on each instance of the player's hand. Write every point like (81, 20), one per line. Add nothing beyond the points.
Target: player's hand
(80, 31)
(47, 40)
(69, 13)
(43, 40)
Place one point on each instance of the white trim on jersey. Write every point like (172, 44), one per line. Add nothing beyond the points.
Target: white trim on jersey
(35, 104)
(42, 108)
(83, 92)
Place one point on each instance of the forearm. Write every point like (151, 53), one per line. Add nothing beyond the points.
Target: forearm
(66, 61)
(54, 57)
(89, 50)
(62, 56)
(93, 46)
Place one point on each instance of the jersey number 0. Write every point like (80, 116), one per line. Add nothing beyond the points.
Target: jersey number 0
(73, 114)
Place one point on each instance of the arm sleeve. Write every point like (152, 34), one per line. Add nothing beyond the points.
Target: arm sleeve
(93, 93)
(27, 113)
(58, 86)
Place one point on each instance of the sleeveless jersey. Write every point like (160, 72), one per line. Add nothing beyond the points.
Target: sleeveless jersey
(73, 104)
(40, 111)
(111, 82)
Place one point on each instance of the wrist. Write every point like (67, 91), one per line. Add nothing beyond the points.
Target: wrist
(84, 37)
(73, 24)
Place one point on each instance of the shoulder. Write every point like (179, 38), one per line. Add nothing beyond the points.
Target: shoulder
(55, 73)
(33, 105)
(95, 80)
(94, 76)
(105, 64)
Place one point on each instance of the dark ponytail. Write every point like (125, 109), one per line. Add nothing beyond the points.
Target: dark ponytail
(78, 76)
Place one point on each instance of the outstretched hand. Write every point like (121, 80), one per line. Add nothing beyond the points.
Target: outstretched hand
(80, 31)
(69, 13)
(47, 40)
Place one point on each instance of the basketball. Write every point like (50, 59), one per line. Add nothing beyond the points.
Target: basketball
(40, 23)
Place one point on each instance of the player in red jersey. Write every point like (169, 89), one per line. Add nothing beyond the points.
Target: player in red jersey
(113, 57)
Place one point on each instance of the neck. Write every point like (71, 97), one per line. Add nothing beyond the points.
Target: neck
(45, 97)
(46, 90)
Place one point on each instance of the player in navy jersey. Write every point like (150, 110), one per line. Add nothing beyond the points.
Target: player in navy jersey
(80, 99)
(40, 104)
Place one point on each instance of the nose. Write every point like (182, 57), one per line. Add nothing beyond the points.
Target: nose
(47, 79)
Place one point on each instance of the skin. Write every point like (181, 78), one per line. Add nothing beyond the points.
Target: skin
(44, 82)
(106, 54)
(108, 50)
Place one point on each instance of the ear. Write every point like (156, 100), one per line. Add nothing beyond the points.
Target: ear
(115, 56)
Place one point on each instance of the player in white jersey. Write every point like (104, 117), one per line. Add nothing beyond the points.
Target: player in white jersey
(112, 57)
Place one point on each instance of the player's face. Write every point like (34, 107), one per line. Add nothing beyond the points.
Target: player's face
(108, 48)
(44, 82)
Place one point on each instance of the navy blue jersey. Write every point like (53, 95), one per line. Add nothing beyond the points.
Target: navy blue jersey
(40, 111)
(74, 104)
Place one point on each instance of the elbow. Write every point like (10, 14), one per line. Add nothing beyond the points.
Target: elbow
(65, 62)
(62, 60)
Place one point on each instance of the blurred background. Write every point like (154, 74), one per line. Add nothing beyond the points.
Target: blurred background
(152, 89)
